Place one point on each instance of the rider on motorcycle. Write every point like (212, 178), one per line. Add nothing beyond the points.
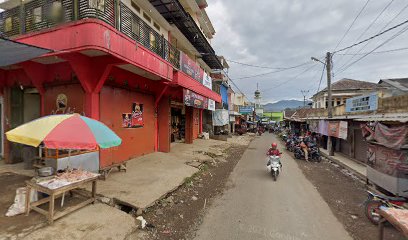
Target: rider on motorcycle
(273, 151)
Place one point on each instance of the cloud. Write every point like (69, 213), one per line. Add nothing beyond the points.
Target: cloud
(279, 33)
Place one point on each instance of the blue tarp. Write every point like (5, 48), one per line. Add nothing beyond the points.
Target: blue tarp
(12, 52)
(224, 94)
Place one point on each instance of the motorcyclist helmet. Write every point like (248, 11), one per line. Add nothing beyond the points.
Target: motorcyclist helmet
(274, 145)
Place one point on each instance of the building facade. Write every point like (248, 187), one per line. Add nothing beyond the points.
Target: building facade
(112, 60)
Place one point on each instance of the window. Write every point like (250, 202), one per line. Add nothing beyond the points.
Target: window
(156, 26)
(152, 40)
(37, 16)
(56, 11)
(135, 6)
(8, 26)
(147, 17)
(97, 4)
(135, 28)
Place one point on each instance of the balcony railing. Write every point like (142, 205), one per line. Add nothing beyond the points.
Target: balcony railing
(41, 14)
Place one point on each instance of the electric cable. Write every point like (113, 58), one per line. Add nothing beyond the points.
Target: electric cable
(351, 25)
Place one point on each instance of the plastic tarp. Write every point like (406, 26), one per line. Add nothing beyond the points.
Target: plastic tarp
(388, 161)
(392, 137)
(12, 52)
(220, 117)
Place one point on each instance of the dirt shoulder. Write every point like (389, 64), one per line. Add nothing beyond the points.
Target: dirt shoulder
(178, 215)
(345, 195)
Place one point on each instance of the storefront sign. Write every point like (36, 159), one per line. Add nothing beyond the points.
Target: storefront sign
(211, 105)
(191, 68)
(207, 81)
(362, 103)
(246, 109)
(193, 99)
(135, 118)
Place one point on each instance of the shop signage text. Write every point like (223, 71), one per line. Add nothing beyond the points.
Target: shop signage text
(362, 103)
(211, 105)
(193, 99)
(191, 68)
(246, 109)
(207, 81)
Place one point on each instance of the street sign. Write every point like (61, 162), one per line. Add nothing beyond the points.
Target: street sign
(246, 109)
(362, 103)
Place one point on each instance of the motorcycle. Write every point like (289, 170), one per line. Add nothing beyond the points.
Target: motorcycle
(273, 166)
(375, 201)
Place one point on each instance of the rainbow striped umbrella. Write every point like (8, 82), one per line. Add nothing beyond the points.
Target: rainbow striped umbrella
(67, 131)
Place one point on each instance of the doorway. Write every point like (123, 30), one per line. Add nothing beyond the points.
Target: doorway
(178, 124)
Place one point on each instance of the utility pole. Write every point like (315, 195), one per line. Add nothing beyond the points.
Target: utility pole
(304, 93)
(329, 100)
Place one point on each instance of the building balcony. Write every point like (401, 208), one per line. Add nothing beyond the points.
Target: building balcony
(22, 17)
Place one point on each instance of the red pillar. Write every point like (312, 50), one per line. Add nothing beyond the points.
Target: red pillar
(92, 105)
(201, 120)
(189, 125)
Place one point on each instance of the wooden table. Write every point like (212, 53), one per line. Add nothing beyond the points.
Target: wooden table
(394, 220)
(51, 214)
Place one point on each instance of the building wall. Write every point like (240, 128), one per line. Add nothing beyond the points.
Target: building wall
(164, 124)
(135, 141)
(75, 98)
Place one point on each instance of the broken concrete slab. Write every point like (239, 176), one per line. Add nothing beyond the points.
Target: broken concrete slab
(97, 221)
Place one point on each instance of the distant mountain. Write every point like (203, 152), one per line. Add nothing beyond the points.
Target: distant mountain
(283, 104)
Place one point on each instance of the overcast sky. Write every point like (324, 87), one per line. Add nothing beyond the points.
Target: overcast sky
(276, 33)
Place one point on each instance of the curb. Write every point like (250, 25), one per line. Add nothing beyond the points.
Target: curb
(359, 175)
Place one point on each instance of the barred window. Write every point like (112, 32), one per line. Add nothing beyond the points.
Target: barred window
(37, 15)
(56, 11)
(135, 28)
(97, 4)
(8, 26)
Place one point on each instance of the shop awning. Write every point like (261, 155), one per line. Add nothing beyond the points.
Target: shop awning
(12, 52)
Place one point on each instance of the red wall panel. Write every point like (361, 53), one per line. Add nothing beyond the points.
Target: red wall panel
(75, 98)
(135, 141)
(196, 123)
(164, 124)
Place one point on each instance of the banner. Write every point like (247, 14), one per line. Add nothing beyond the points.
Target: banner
(211, 105)
(193, 99)
(207, 81)
(394, 137)
(337, 129)
(191, 68)
(220, 117)
(388, 161)
(323, 127)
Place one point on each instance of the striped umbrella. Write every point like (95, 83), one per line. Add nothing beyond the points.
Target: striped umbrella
(67, 131)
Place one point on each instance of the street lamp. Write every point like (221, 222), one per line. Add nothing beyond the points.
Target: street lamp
(329, 97)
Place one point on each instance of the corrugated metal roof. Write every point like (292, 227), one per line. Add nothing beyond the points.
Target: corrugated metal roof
(12, 52)
(383, 119)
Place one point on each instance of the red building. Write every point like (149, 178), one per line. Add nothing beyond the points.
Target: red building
(112, 61)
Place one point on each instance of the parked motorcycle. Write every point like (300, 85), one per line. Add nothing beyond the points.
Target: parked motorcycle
(313, 153)
(375, 201)
(273, 166)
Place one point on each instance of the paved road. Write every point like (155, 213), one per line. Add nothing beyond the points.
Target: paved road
(256, 207)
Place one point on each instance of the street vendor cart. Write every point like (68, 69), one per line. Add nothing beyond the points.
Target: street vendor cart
(78, 136)
(56, 187)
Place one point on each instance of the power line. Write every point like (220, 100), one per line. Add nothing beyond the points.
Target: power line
(382, 44)
(351, 25)
(267, 73)
(372, 37)
(321, 77)
(258, 66)
(376, 52)
(370, 25)
(278, 85)
(386, 25)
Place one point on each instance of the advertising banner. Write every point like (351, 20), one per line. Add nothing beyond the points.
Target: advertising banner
(207, 81)
(191, 68)
(246, 109)
(388, 161)
(337, 129)
(135, 118)
(193, 99)
(211, 105)
(362, 103)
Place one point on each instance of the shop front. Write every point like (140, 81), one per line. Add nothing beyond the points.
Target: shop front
(178, 121)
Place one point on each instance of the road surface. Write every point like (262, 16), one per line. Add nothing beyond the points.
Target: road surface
(256, 207)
